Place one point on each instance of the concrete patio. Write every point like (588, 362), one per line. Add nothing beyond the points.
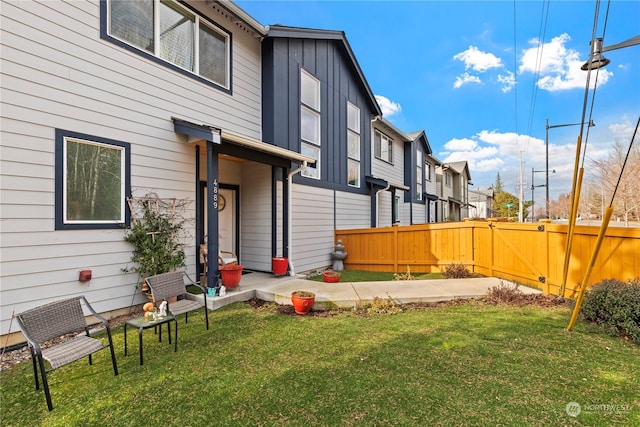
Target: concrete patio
(268, 287)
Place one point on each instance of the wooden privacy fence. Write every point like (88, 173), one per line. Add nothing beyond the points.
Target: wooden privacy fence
(531, 254)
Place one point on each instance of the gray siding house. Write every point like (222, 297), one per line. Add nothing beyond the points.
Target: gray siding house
(158, 110)
(270, 135)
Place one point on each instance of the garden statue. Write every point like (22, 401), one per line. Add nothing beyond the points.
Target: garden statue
(337, 256)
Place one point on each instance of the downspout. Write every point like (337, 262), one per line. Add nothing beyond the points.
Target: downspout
(289, 215)
(377, 213)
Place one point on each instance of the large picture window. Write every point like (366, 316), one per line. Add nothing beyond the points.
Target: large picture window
(173, 33)
(310, 122)
(419, 174)
(92, 181)
(353, 145)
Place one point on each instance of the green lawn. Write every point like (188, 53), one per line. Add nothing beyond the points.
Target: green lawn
(472, 364)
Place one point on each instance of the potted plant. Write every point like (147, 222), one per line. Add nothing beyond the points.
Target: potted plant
(302, 301)
(155, 234)
(331, 276)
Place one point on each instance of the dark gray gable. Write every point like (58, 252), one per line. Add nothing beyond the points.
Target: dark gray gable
(328, 57)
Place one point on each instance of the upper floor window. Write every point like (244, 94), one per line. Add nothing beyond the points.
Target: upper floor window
(310, 122)
(92, 181)
(174, 34)
(447, 179)
(383, 147)
(353, 145)
(427, 171)
(419, 174)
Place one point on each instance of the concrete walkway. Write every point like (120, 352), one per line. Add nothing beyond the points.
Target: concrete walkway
(268, 287)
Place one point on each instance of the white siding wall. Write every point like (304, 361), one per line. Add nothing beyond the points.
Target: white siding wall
(314, 221)
(385, 199)
(352, 210)
(58, 73)
(255, 216)
(313, 227)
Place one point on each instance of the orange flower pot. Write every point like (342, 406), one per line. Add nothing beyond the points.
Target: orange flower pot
(279, 265)
(331, 276)
(231, 275)
(302, 301)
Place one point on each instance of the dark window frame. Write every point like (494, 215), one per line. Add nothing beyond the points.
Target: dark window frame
(60, 224)
(104, 34)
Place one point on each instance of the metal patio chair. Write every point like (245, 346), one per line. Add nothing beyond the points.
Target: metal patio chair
(172, 288)
(61, 319)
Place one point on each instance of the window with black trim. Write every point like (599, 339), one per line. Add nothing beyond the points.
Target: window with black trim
(383, 147)
(419, 174)
(172, 33)
(353, 145)
(310, 122)
(92, 181)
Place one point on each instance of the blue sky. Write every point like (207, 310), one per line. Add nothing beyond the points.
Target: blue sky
(475, 74)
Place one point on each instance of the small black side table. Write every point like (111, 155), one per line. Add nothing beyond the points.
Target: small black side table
(142, 323)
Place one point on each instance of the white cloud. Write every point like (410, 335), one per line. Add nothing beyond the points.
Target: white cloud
(464, 79)
(387, 106)
(557, 66)
(508, 81)
(477, 60)
(623, 129)
(465, 144)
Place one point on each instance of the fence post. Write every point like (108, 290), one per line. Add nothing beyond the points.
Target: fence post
(547, 286)
(491, 248)
(395, 247)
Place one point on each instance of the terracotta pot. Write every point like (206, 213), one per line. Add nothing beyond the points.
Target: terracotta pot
(231, 275)
(331, 276)
(302, 301)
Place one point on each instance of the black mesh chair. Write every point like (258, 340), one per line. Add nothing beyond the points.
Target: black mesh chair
(61, 319)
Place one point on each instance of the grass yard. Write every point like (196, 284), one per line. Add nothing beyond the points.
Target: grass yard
(469, 364)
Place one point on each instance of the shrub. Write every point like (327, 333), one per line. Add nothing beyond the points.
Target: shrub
(505, 294)
(615, 305)
(404, 276)
(455, 271)
(383, 306)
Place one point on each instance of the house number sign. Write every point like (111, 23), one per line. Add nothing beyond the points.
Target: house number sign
(215, 195)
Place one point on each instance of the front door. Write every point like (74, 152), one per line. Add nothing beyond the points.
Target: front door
(228, 218)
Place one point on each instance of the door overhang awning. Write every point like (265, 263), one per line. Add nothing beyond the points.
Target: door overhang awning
(217, 135)
(267, 148)
(383, 183)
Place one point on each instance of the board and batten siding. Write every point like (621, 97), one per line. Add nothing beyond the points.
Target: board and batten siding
(58, 73)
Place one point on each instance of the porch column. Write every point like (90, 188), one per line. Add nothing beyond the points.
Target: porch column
(213, 186)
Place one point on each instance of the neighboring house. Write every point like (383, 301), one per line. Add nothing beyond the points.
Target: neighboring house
(387, 174)
(481, 203)
(453, 181)
(416, 170)
(431, 188)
